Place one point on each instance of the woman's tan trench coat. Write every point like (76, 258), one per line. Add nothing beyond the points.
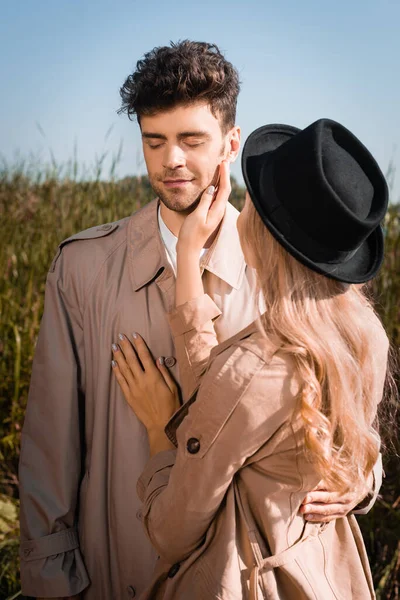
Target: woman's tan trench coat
(222, 510)
(83, 449)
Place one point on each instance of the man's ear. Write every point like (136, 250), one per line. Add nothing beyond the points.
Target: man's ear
(233, 144)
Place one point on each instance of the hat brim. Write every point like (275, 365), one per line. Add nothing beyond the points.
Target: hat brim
(361, 267)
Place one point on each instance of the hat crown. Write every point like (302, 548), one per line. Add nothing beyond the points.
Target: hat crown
(338, 188)
(345, 176)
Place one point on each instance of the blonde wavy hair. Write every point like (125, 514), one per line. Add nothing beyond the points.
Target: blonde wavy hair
(322, 324)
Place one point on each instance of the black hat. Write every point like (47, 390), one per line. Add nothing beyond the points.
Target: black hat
(321, 194)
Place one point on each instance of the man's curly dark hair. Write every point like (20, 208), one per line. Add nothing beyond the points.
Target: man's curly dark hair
(182, 74)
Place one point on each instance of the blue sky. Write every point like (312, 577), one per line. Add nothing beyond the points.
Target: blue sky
(62, 64)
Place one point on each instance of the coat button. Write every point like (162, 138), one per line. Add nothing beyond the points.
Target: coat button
(173, 570)
(170, 361)
(105, 227)
(193, 445)
(131, 591)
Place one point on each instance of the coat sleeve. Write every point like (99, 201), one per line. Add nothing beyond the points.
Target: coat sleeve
(50, 468)
(368, 502)
(237, 410)
(194, 334)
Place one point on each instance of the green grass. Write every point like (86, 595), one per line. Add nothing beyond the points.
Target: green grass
(39, 207)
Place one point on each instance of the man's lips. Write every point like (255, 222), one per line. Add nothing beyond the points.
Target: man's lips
(176, 182)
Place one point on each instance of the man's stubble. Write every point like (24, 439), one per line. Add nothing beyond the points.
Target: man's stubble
(176, 200)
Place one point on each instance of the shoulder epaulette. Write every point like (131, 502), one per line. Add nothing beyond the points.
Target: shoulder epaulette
(88, 234)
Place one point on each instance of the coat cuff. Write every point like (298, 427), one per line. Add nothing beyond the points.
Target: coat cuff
(62, 541)
(193, 315)
(52, 566)
(155, 475)
(368, 502)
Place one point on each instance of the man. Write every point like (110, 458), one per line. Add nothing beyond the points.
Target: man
(82, 447)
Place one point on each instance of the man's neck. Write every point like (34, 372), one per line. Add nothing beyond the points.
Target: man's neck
(174, 221)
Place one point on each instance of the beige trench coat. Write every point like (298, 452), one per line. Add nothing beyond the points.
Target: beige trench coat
(82, 447)
(222, 510)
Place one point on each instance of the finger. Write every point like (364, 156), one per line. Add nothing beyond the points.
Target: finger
(143, 352)
(321, 519)
(122, 354)
(324, 510)
(225, 177)
(205, 203)
(324, 498)
(214, 198)
(130, 356)
(166, 374)
(217, 208)
(121, 379)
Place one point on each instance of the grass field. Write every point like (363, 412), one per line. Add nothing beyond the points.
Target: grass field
(38, 209)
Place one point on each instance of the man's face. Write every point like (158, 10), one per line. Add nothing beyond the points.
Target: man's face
(183, 149)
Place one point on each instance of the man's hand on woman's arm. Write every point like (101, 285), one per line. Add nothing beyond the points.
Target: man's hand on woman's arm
(322, 505)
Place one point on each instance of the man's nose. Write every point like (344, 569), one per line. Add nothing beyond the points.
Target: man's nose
(173, 158)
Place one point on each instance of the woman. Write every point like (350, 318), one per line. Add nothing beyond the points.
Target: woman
(285, 403)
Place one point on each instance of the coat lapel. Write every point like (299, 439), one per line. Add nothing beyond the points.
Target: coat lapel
(147, 257)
